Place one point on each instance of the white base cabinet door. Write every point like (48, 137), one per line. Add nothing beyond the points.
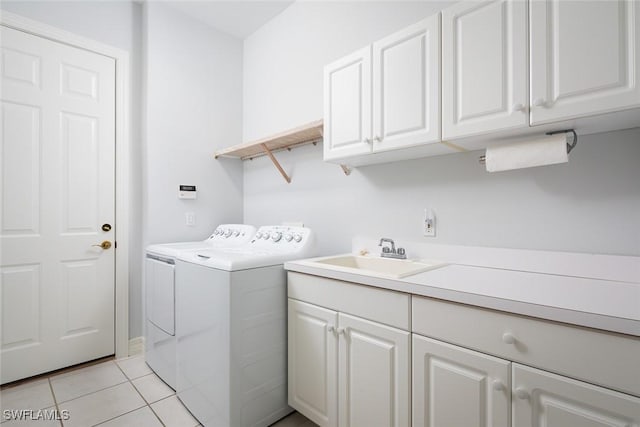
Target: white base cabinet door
(453, 386)
(545, 399)
(484, 67)
(313, 362)
(374, 382)
(347, 371)
(585, 58)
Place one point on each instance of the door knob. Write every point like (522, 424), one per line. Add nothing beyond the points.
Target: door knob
(104, 245)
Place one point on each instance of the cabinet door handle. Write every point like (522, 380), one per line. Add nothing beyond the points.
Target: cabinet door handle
(508, 338)
(497, 385)
(518, 107)
(521, 393)
(341, 331)
(539, 102)
(377, 138)
(367, 141)
(331, 329)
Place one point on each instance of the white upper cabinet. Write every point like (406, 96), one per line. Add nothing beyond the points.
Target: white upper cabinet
(386, 97)
(484, 67)
(406, 87)
(347, 106)
(585, 57)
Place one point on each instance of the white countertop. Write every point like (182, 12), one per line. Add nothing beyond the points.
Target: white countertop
(611, 305)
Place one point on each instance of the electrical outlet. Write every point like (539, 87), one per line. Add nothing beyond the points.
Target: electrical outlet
(429, 223)
(190, 219)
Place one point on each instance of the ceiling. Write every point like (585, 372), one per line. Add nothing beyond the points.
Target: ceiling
(239, 18)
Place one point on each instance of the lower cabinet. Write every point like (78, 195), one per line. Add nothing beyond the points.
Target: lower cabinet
(550, 400)
(453, 386)
(347, 371)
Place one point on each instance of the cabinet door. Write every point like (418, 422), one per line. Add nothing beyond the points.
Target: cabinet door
(347, 106)
(453, 386)
(544, 399)
(374, 376)
(585, 58)
(406, 87)
(313, 360)
(485, 72)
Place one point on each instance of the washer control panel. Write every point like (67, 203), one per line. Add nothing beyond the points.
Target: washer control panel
(232, 233)
(281, 237)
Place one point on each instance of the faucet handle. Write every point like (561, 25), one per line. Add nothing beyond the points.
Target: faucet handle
(386, 250)
(401, 251)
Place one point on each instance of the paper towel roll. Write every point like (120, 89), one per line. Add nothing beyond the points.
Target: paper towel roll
(549, 150)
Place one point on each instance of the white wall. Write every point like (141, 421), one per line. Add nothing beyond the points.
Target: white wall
(591, 204)
(117, 24)
(193, 77)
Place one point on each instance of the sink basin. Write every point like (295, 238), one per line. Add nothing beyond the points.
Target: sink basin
(377, 266)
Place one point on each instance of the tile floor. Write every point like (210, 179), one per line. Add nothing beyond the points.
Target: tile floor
(114, 393)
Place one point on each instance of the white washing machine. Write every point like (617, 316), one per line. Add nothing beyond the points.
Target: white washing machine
(231, 317)
(160, 341)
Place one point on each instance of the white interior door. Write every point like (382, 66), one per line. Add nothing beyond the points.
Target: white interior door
(57, 168)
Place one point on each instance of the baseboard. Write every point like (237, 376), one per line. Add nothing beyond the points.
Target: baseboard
(136, 346)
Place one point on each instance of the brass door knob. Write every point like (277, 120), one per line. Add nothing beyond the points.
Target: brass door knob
(104, 245)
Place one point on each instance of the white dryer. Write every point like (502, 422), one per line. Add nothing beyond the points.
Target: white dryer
(160, 342)
(231, 330)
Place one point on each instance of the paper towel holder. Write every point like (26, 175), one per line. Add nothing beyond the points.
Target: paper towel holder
(570, 147)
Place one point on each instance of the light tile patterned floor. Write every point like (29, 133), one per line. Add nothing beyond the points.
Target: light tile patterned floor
(115, 393)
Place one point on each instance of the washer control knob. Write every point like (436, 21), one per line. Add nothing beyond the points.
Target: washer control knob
(258, 235)
(297, 238)
(276, 236)
(288, 237)
(227, 233)
(236, 233)
(265, 236)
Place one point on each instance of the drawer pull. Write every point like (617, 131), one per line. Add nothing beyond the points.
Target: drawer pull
(521, 393)
(497, 385)
(508, 338)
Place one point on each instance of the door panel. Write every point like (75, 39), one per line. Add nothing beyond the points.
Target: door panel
(20, 169)
(58, 163)
(458, 387)
(545, 399)
(347, 106)
(485, 67)
(406, 87)
(374, 374)
(313, 355)
(583, 66)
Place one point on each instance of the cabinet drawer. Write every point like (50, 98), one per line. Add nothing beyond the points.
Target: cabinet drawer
(603, 358)
(380, 305)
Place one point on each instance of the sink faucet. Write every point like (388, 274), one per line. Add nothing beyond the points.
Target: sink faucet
(391, 252)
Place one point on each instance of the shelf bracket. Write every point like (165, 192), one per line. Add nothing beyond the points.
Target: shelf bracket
(346, 169)
(276, 163)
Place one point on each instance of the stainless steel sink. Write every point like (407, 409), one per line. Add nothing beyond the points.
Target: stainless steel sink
(376, 266)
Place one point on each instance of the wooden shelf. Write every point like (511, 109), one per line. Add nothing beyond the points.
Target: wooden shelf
(311, 133)
(302, 135)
